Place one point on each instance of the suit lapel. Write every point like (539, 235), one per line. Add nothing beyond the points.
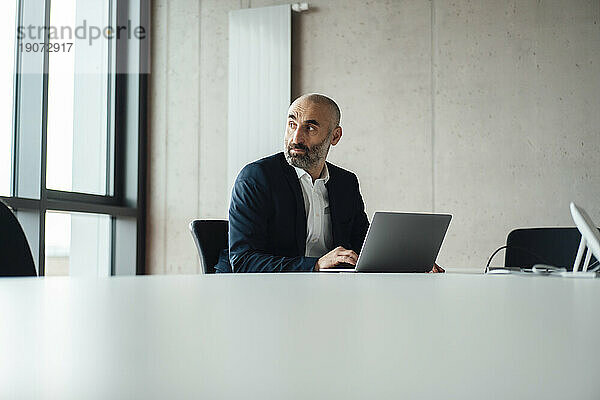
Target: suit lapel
(294, 183)
(332, 191)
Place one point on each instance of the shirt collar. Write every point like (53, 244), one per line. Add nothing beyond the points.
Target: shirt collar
(324, 174)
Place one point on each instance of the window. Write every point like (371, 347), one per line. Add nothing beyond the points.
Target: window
(58, 243)
(80, 239)
(75, 169)
(61, 97)
(80, 80)
(8, 20)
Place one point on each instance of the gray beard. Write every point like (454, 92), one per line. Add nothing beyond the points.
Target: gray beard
(311, 158)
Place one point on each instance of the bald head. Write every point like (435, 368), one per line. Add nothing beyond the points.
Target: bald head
(313, 125)
(321, 100)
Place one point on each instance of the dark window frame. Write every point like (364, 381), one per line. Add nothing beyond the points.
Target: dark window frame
(117, 205)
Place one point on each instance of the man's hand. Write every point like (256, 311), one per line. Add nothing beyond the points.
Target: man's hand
(436, 269)
(337, 256)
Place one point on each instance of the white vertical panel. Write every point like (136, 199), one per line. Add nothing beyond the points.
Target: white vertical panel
(259, 83)
(90, 245)
(90, 123)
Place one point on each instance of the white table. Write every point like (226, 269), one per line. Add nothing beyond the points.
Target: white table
(300, 336)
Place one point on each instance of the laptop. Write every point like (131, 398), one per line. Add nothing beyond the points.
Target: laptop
(400, 242)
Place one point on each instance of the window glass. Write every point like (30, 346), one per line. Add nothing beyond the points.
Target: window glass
(77, 244)
(58, 243)
(79, 131)
(8, 18)
(61, 80)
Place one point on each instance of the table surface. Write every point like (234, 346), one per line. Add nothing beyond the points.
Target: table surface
(300, 336)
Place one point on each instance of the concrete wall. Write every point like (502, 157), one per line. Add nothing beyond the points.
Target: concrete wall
(174, 136)
(487, 110)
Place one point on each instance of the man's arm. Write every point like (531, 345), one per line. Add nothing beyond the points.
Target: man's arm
(248, 232)
(361, 222)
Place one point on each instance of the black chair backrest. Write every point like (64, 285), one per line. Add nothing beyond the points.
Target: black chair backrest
(552, 246)
(211, 236)
(15, 254)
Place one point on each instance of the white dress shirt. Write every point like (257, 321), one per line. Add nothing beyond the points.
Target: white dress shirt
(318, 218)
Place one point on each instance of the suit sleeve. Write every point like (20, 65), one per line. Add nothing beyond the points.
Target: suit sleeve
(361, 222)
(248, 232)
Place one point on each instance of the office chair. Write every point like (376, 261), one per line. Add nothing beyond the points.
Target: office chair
(211, 237)
(551, 246)
(15, 254)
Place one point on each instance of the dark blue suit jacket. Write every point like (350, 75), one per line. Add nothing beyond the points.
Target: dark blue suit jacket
(267, 219)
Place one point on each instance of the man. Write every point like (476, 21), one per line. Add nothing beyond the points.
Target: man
(293, 211)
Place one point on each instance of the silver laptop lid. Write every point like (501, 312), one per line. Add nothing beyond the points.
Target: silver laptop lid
(403, 242)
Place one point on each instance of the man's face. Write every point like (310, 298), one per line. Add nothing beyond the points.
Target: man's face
(308, 134)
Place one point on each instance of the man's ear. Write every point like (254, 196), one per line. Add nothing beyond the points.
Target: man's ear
(337, 135)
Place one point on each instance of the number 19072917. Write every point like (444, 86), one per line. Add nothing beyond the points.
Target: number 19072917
(43, 47)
